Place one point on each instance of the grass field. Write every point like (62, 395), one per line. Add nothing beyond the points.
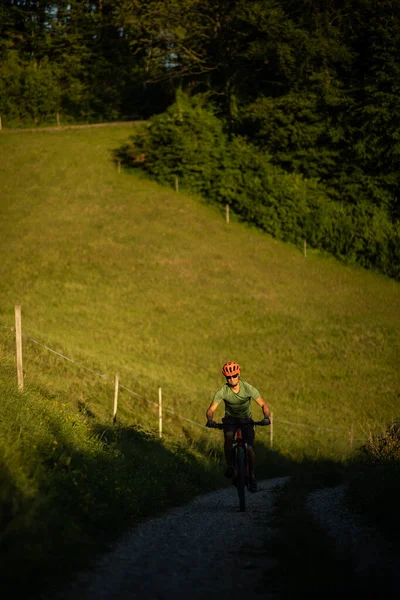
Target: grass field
(124, 276)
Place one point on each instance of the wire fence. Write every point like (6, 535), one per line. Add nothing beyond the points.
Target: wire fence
(103, 375)
(343, 432)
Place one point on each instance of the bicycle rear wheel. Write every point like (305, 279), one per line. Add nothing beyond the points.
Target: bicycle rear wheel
(241, 469)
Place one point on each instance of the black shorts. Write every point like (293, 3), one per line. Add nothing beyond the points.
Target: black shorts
(233, 423)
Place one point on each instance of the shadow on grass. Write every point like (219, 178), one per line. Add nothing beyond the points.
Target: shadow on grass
(87, 496)
(124, 155)
(84, 498)
(309, 562)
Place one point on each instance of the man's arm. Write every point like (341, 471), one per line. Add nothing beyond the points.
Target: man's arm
(264, 407)
(211, 410)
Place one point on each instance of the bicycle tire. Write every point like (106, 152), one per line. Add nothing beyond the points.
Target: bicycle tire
(241, 470)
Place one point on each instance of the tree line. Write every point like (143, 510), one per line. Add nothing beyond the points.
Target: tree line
(72, 57)
(313, 84)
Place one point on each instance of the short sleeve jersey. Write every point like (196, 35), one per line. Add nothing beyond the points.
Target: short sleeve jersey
(237, 404)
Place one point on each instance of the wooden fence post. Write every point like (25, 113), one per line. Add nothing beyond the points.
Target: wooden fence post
(271, 431)
(116, 388)
(58, 119)
(160, 412)
(18, 337)
(119, 166)
(177, 184)
(0, 124)
(227, 213)
(351, 435)
(305, 248)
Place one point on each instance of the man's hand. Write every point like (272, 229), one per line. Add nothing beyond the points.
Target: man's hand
(266, 421)
(211, 423)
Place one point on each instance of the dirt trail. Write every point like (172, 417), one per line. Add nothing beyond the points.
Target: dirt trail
(205, 549)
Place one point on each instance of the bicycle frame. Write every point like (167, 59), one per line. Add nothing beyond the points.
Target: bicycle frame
(241, 465)
(241, 462)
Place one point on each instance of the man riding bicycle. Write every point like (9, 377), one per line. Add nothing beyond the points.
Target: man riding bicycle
(237, 396)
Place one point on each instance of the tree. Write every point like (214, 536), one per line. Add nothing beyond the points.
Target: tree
(373, 124)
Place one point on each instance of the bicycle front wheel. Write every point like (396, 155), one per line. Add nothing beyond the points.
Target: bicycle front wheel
(241, 470)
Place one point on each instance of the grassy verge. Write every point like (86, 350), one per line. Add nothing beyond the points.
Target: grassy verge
(373, 477)
(127, 276)
(71, 483)
(310, 563)
(307, 564)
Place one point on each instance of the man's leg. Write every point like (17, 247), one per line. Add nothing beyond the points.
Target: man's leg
(252, 459)
(228, 447)
(248, 436)
(228, 453)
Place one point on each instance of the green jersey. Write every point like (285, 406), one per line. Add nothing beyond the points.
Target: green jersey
(237, 404)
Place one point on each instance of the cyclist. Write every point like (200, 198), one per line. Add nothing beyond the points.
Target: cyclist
(237, 396)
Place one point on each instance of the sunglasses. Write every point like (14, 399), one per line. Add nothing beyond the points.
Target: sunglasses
(232, 376)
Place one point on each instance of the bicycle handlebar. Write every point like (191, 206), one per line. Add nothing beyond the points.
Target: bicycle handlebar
(250, 422)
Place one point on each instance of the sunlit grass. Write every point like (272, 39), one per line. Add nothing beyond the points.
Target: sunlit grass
(129, 277)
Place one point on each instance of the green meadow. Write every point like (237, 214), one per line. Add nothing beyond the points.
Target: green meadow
(125, 276)
(122, 275)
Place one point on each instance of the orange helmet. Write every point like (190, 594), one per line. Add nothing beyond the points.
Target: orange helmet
(230, 368)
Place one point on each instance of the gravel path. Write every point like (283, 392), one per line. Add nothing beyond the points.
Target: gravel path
(195, 551)
(375, 560)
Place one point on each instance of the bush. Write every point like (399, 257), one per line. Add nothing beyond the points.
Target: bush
(29, 92)
(262, 193)
(188, 141)
(373, 479)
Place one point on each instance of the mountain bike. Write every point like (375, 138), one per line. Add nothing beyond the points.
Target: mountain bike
(241, 463)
